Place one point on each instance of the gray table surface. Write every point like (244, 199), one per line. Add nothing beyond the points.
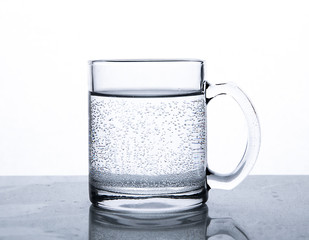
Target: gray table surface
(262, 207)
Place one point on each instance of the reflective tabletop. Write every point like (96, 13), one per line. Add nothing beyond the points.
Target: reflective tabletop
(262, 207)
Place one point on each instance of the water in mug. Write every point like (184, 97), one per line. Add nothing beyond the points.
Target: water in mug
(148, 144)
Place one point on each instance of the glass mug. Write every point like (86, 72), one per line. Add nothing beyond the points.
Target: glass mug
(147, 135)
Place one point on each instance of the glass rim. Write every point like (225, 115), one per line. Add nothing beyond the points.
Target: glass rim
(144, 60)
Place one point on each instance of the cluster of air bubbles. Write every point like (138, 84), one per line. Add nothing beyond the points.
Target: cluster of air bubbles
(147, 142)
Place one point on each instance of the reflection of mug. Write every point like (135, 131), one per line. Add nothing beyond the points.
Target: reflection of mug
(147, 134)
(191, 224)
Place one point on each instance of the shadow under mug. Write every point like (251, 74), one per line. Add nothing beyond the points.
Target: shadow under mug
(148, 135)
(192, 224)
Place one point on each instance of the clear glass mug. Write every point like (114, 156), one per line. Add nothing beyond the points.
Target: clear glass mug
(148, 134)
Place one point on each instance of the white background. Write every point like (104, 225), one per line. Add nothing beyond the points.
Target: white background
(263, 46)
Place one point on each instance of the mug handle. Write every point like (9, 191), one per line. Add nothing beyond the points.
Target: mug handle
(231, 180)
(225, 226)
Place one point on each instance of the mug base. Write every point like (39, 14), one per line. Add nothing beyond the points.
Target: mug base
(147, 203)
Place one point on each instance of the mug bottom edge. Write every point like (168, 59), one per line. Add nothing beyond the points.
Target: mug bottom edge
(147, 203)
